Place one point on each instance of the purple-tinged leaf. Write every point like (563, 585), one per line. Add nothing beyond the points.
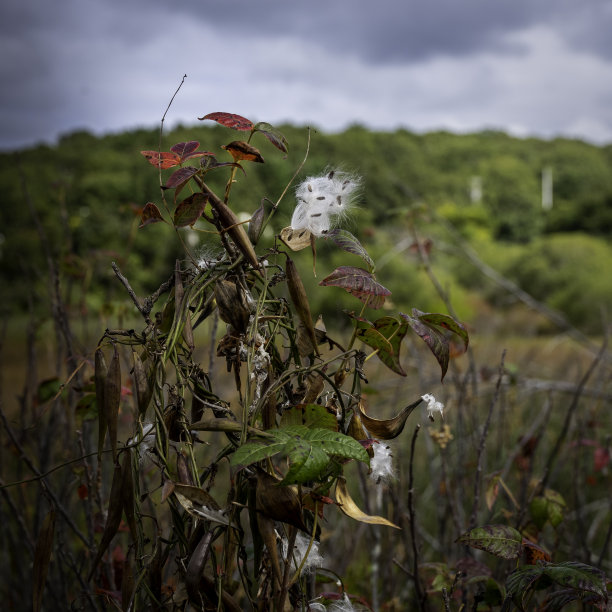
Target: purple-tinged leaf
(446, 322)
(190, 210)
(273, 135)
(346, 241)
(358, 282)
(500, 540)
(180, 176)
(150, 214)
(182, 149)
(236, 122)
(162, 160)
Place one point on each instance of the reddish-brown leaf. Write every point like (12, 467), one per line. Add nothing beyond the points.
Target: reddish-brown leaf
(150, 214)
(180, 176)
(358, 282)
(236, 122)
(241, 150)
(273, 135)
(182, 149)
(190, 210)
(162, 160)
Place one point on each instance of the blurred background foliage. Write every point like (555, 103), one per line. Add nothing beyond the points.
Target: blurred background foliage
(87, 192)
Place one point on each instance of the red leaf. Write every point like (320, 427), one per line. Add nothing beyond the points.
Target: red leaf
(162, 160)
(358, 282)
(83, 492)
(189, 210)
(150, 214)
(601, 458)
(180, 176)
(236, 122)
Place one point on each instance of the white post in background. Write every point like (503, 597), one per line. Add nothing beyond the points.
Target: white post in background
(547, 188)
(475, 189)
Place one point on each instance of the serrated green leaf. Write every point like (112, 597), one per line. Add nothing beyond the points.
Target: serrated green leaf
(385, 335)
(306, 461)
(520, 583)
(578, 576)
(256, 450)
(335, 443)
(499, 540)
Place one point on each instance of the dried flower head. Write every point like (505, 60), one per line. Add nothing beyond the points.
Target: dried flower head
(322, 200)
(433, 405)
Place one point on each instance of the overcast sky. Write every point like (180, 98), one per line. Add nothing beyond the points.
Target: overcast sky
(529, 67)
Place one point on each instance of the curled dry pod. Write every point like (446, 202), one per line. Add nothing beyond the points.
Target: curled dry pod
(280, 503)
(390, 428)
(127, 494)
(268, 535)
(100, 372)
(182, 469)
(256, 223)
(231, 224)
(350, 508)
(233, 308)
(357, 431)
(195, 568)
(300, 300)
(112, 398)
(144, 390)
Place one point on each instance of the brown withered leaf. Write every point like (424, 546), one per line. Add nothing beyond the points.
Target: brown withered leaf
(389, 428)
(150, 214)
(199, 503)
(350, 508)
(280, 503)
(241, 150)
(42, 557)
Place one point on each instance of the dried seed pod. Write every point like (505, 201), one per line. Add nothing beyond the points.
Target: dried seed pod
(300, 301)
(256, 223)
(112, 398)
(232, 304)
(127, 494)
(100, 373)
(278, 503)
(182, 469)
(144, 390)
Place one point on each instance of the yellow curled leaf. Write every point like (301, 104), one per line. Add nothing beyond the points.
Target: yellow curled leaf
(350, 508)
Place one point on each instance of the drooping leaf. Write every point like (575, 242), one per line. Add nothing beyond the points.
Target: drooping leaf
(436, 341)
(577, 576)
(360, 283)
(273, 135)
(163, 160)
(230, 120)
(389, 428)
(310, 415)
(42, 557)
(500, 540)
(278, 503)
(346, 241)
(241, 150)
(520, 583)
(190, 210)
(446, 322)
(350, 508)
(180, 176)
(150, 214)
(385, 336)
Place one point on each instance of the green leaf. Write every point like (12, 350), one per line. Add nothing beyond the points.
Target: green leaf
(555, 505)
(520, 583)
(346, 241)
(310, 415)
(385, 335)
(499, 540)
(189, 210)
(48, 389)
(578, 576)
(335, 443)
(358, 282)
(306, 461)
(255, 450)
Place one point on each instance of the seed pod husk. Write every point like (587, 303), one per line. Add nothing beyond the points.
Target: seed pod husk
(300, 300)
(256, 223)
(232, 305)
(112, 398)
(144, 390)
(100, 373)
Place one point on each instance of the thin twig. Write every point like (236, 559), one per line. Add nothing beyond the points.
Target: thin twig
(421, 595)
(481, 446)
